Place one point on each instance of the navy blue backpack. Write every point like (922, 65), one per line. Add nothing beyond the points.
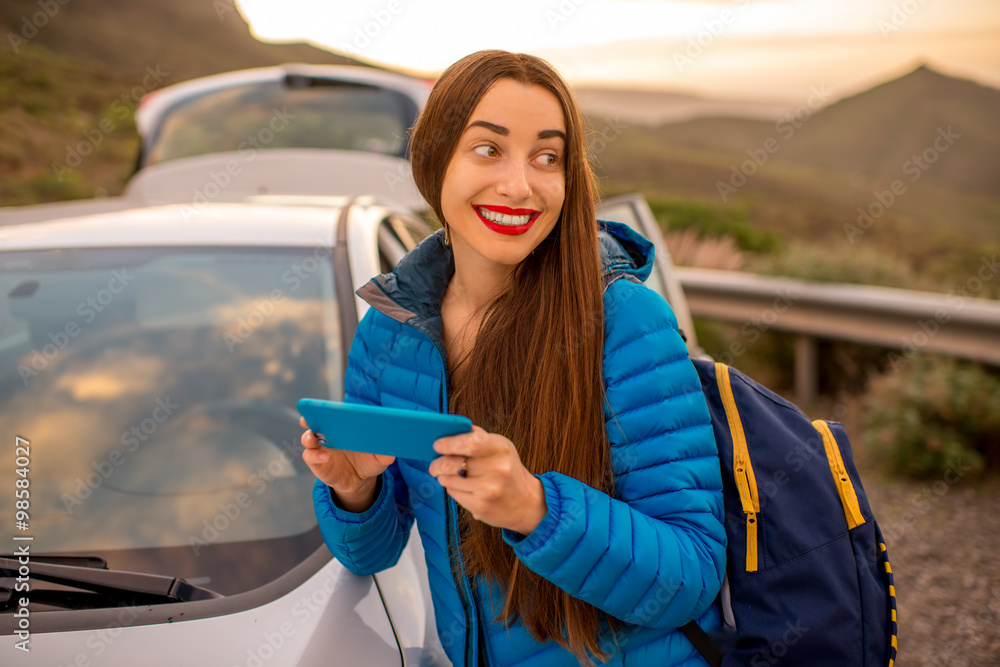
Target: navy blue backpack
(808, 577)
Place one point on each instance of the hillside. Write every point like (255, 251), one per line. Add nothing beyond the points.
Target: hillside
(187, 38)
(875, 133)
(64, 79)
(806, 178)
(879, 131)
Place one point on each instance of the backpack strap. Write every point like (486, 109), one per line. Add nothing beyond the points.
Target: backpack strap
(705, 645)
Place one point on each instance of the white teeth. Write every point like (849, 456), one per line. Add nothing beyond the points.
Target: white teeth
(503, 219)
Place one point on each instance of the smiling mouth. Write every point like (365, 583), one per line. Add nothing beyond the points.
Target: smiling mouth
(510, 221)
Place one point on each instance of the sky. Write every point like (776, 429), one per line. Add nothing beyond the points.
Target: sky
(767, 50)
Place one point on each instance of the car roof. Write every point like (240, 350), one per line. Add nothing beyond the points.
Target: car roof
(215, 224)
(155, 104)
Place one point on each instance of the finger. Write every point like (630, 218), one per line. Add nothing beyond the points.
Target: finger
(309, 440)
(473, 443)
(456, 484)
(448, 465)
(302, 422)
(315, 457)
(384, 459)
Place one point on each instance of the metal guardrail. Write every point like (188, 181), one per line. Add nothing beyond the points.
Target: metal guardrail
(953, 324)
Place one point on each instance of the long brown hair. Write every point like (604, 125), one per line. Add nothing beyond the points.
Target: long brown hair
(534, 373)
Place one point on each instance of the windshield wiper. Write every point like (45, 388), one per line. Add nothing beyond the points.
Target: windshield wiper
(59, 559)
(137, 588)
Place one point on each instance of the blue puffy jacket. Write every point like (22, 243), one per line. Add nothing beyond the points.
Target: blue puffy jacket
(654, 556)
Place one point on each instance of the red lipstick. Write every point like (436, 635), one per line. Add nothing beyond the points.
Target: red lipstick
(509, 230)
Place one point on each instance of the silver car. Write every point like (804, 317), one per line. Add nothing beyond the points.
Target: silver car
(150, 369)
(151, 355)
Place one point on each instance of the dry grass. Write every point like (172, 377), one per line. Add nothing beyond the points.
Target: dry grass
(689, 248)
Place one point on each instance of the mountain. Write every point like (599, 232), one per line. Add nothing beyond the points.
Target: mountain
(187, 38)
(813, 173)
(881, 133)
(924, 125)
(67, 69)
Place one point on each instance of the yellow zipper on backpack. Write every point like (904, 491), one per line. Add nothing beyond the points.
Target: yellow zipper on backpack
(746, 481)
(848, 496)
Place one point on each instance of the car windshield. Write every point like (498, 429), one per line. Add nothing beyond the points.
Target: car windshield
(157, 392)
(297, 112)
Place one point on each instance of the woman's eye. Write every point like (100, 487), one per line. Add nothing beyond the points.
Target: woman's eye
(487, 150)
(548, 159)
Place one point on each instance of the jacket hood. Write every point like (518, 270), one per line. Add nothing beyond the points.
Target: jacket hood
(624, 250)
(418, 283)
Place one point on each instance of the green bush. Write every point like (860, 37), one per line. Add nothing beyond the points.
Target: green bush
(713, 220)
(925, 413)
(767, 355)
(45, 187)
(839, 263)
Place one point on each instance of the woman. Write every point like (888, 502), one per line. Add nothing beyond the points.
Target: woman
(581, 519)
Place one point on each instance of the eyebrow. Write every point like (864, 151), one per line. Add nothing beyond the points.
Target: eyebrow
(503, 131)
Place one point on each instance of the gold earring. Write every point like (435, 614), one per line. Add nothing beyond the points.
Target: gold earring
(447, 236)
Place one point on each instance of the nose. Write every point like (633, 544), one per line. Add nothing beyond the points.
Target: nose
(514, 182)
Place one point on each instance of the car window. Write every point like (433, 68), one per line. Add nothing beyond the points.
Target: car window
(397, 235)
(157, 389)
(298, 112)
(625, 212)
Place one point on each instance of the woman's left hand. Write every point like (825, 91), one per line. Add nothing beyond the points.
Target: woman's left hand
(496, 488)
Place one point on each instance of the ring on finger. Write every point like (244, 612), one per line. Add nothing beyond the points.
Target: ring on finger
(464, 471)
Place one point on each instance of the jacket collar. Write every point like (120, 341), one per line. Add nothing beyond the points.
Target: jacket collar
(412, 293)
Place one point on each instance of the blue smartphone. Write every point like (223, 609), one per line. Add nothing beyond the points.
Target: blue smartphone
(406, 434)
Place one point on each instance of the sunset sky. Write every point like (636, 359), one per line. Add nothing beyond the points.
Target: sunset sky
(746, 49)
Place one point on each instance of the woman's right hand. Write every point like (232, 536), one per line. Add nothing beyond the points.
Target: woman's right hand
(353, 476)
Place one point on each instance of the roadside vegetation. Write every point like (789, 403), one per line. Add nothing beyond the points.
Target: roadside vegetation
(920, 413)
